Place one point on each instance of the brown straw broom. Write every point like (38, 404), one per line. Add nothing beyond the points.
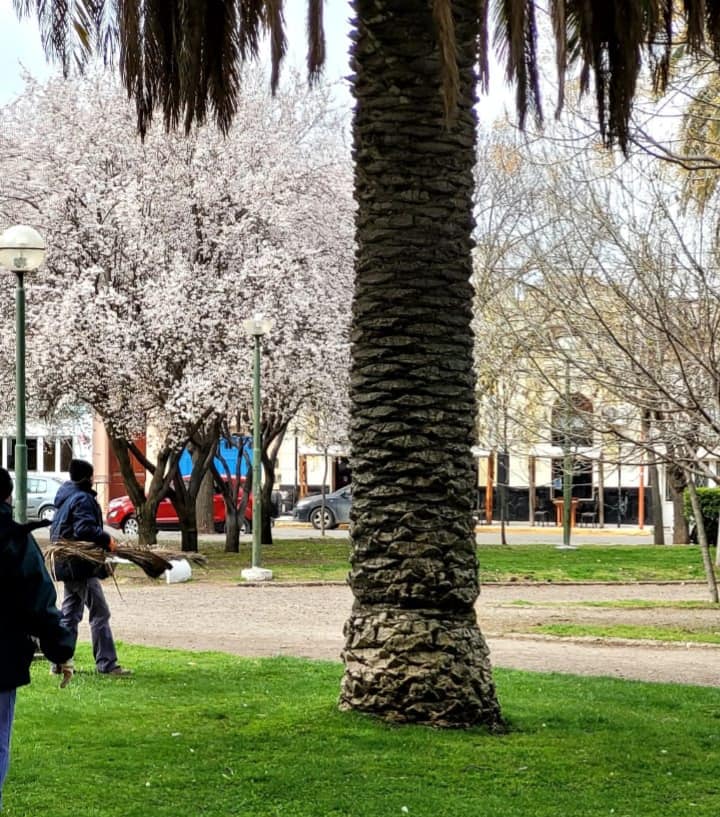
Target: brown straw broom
(150, 562)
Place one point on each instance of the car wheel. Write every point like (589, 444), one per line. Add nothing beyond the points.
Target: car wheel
(219, 527)
(130, 526)
(47, 513)
(316, 518)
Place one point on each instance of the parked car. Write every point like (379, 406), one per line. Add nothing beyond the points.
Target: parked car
(337, 508)
(41, 490)
(121, 515)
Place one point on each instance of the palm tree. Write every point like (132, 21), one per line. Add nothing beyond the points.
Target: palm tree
(413, 651)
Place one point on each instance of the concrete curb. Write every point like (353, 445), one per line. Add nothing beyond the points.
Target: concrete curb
(552, 530)
(339, 583)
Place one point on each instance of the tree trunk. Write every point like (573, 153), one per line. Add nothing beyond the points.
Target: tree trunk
(678, 483)
(413, 650)
(229, 484)
(532, 488)
(657, 505)
(145, 505)
(265, 509)
(187, 518)
(188, 539)
(601, 491)
(503, 478)
(147, 525)
(204, 505)
(232, 530)
(702, 541)
(323, 492)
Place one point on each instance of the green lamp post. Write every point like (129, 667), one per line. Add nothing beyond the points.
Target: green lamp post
(22, 250)
(256, 327)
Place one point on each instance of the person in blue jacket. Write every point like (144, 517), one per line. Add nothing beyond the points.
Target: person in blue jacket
(27, 611)
(78, 517)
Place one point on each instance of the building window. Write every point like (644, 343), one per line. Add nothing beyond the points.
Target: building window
(32, 453)
(48, 455)
(66, 452)
(573, 423)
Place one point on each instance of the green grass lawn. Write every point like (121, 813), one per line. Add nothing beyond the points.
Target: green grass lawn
(697, 635)
(210, 734)
(327, 560)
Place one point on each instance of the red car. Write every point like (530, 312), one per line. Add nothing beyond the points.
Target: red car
(121, 515)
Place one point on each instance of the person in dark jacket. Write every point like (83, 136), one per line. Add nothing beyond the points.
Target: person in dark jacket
(27, 610)
(78, 518)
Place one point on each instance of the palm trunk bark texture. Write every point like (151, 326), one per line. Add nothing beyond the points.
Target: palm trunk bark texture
(414, 651)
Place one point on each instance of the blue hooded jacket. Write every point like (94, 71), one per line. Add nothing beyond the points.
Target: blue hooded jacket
(78, 518)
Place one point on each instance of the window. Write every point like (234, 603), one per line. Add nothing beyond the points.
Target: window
(10, 443)
(66, 452)
(32, 454)
(48, 455)
(581, 478)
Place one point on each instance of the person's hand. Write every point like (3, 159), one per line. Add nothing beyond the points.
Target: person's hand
(68, 670)
(113, 546)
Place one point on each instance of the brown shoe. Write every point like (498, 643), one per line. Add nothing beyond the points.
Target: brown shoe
(120, 672)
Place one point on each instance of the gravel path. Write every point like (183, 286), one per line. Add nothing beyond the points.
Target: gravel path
(307, 621)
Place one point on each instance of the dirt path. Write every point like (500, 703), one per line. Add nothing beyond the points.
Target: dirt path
(306, 621)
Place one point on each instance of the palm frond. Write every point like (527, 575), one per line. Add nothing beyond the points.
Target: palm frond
(152, 563)
(445, 25)
(183, 58)
(275, 24)
(516, 43)
(316, 39)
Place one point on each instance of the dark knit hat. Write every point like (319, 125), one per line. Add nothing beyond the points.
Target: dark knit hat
(80, 470)
(6, 485)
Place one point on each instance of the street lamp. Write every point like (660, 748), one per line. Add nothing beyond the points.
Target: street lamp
(22, 250)
(257, 326)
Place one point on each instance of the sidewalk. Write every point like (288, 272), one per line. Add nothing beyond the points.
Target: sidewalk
(517, 533)
(607, 530)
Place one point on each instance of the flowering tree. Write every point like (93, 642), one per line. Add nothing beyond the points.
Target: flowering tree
(158, 250)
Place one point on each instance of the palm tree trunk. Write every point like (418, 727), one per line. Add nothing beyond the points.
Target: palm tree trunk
(413, 651)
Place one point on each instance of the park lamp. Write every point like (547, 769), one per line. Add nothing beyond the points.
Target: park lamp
(22, 250)
(256, 327)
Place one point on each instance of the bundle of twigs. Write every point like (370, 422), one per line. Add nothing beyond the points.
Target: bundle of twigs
(196, 558)
(152, 563)
(64, 549)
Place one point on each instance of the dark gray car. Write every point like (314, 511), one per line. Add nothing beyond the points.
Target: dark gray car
(337, 508)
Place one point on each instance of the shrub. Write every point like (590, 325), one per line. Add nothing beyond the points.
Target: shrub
(710, 506)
